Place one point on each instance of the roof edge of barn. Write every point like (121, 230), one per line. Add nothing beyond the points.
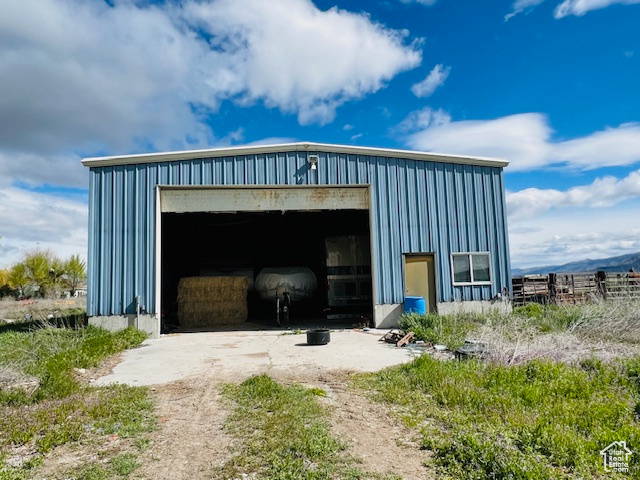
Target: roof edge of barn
(310, 147)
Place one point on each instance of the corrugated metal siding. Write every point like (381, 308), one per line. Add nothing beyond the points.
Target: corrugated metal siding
(417, 207)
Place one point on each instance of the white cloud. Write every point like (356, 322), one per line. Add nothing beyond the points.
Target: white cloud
(423, 119)
(603, 192)
(549, 226)
(525, 140)
(557, 247)
(564, 235)
(37, 169)
(30, 220)
(580, 7)
(522, 139)
(522, 230)
(434, 79)
(85, 76)
(567, 7)
(609, 147)
(297, 58)
(273, 141)
(520, 6)
(347, 127)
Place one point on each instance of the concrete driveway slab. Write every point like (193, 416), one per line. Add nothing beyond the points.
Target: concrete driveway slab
(236, 355)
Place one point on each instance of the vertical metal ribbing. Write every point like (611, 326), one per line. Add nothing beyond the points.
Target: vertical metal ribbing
(93, 253)
(106, 219)
(416, 207)
(402, 207)
(148, 295)
(128, 237)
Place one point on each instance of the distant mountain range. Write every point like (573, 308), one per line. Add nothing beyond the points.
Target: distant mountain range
(623, 263)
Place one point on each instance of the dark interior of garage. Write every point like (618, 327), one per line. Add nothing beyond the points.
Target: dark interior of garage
(245, 243)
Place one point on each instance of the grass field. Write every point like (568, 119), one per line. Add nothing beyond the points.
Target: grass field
(43, 405)
(559, 385)
(537, 420)
(284, 433)
(571, 333)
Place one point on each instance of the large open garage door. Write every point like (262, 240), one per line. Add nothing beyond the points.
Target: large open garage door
(318, 236)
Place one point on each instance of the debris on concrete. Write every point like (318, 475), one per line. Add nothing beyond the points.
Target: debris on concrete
(400, 338)
(405, 340)
(393, 336)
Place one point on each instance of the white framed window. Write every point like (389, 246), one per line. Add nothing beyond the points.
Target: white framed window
(471, 268)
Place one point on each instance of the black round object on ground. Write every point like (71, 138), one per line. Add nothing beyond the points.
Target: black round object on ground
(318, 336)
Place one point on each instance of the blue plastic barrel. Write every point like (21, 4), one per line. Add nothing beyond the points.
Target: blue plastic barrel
(415, 305)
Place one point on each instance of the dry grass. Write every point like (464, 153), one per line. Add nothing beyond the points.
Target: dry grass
(568, 334)
(563, 347)
(38, 309)
(12, 378)
(617, 321)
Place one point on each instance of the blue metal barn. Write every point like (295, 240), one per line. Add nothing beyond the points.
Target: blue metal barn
(436, 223)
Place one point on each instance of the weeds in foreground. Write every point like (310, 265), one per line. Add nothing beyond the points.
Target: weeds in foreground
(59, 409)
(449, 330)
(539, 420)
(50, 355)
(617, 320)
(119, 467)
(566, 333)
(284, 433)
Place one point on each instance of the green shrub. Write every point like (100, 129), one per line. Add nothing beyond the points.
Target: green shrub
(530, 310)
(125, 464)
(449, 330)
(549, 318)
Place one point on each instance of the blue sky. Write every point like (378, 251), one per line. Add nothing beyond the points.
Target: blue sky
(550, 85)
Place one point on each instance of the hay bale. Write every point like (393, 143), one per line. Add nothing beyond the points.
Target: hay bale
(212, 301)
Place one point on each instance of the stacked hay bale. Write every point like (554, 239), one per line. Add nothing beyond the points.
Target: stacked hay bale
(212, 301)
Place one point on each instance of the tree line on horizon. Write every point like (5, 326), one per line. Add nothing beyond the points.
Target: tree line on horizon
(42, 274)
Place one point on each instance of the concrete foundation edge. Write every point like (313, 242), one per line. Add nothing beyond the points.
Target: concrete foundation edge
(113, 323)
(384, 316)
(388, 315)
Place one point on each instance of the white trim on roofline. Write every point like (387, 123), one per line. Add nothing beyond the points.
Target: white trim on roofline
(310, 147)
